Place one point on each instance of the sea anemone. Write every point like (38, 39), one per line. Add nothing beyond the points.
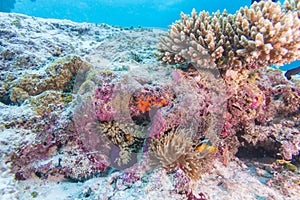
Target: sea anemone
(177, 150)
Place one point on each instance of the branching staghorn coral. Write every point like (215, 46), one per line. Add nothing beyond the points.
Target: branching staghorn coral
(292, 5)
(264, 34)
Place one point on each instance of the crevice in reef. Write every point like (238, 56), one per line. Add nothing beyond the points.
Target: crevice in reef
(262, 149)
(258, 151)
(5, 99)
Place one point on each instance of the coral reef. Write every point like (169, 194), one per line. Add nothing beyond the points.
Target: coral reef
(106, 118)
(262, 107)
(264, 34)
(241, 46)
(129, 120)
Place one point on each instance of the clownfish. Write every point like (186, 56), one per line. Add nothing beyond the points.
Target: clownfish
(204, 145)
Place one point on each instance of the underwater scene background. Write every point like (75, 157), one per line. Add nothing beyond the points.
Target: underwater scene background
(136, 100)
(125, 13)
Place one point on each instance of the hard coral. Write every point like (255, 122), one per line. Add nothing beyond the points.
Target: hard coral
(49, 101)
(262, 35)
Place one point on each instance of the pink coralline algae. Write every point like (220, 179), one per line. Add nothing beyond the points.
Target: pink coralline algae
(291, 148)
(51, 132)
(158, 125)
(103, 99)
(182, 186)
(191, 196)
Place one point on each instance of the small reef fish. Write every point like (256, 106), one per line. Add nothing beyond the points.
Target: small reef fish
(291, 72)
(288, 165)
(252, 1)
(201, 147)
(204, 145)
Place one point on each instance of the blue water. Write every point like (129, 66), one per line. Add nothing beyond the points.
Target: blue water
(146, 13)
(155, 13)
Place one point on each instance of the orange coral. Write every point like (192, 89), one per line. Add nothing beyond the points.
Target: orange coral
(145, 103)
(160, 102)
